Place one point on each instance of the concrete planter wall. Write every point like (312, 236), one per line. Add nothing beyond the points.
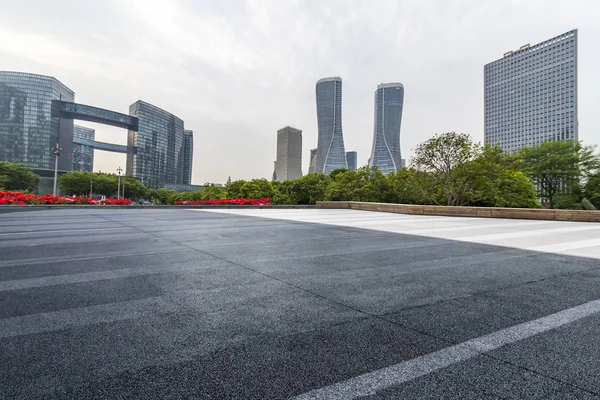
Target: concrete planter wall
(484, 212)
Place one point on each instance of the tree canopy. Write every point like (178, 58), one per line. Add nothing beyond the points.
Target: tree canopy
(17, 177)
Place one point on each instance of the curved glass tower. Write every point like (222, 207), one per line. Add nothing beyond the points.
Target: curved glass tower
(385, 155)
(331, 153)
(29, 128)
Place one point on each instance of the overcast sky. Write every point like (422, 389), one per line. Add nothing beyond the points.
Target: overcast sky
(236, 71)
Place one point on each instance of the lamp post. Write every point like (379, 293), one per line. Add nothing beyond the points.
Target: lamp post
(56, 151)
(119, 170)
(91, 184)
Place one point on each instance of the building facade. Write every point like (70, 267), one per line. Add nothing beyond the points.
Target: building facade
(385, 153)
(351, 159)
(331, 153)
(188, 156)
(289, 154)
(83, 155)
(29, 129)
(531, 94)
(312, 164)
(156, 152)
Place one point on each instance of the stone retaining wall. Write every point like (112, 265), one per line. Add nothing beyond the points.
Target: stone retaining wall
(484, 212)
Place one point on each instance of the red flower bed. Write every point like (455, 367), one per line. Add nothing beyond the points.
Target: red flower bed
(23, 199)
(239, 202)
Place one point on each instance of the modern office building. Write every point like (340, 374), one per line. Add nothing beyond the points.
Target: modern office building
(385, 153)
(29, 128)
(83, 154)
(351, 159)
(312, 164)
(331, 153)
(155, 152)
(531, 94)
(289, 154)
(188, 155)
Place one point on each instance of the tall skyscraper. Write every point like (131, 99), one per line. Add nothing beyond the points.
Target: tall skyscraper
(188, 155)
(159, 146)
(289, 154)
(29, 128)
(83, 155)
(312, 165)
(385, 154)
(531, 94)
(331, 153)
(351, 159)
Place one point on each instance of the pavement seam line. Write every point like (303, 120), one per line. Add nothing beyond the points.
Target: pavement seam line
(370, 383)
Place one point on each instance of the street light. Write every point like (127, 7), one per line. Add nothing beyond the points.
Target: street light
(91, 184)
(56, 151)
(119, 170)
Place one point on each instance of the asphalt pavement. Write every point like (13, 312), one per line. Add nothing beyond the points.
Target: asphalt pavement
(302, 304)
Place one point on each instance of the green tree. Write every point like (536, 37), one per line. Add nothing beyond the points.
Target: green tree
(162, 195)
(415, 187)
(308, 189)
(132, 188)
(592, 189)
(213, 193)
(105, 184)
(76, 183)
(442, 155)
(493, 179)
(17, 177)
(364, 184)
(559, 168)
(234, 189)
(257, 189)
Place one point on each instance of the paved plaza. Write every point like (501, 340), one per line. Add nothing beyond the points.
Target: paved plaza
(296, 304)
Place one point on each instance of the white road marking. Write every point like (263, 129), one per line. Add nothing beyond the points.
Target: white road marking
(372, 382)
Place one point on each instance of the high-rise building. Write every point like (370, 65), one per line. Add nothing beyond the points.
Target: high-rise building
(312, 165)
(28, 127)
(385, 153)
(155, 153)
(83, 155)
(531, 94)
(331, 153)
(351, 159)
(188, 156)
(289, 154)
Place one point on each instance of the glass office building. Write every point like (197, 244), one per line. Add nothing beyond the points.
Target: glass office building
(188, 156)
(351, 159)
(156, 152)
(385, 153)
(330, 146)
(28, 127)
(531, 94)
(83, 155)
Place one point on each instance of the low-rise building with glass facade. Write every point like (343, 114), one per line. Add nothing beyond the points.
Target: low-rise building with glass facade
(83, 155)
(530, 94)
(156, 152)
(188, 156)
(386, 154)
(331, 153)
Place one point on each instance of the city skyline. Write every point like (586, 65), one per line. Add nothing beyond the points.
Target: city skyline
(243, 52)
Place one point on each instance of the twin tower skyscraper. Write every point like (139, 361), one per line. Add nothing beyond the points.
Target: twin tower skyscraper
(331, 153)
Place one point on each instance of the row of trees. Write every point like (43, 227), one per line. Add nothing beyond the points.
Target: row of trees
(448, 169)
(17, 178)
